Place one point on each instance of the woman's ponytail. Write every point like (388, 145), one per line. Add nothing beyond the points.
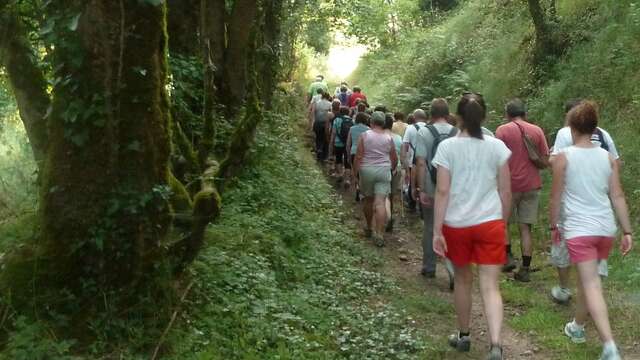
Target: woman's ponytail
(472, 110)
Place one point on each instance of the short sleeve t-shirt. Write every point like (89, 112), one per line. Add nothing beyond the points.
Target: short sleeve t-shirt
(399, 128)
(525, 176)
(474, 165)
(356, 131)
(410, 137)
(424, 146)
(322, 108)
(353, 99)
(337, 126)
(377, 148)
(313, 88)
(564, 140)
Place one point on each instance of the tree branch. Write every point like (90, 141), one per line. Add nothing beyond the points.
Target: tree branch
(26, 79)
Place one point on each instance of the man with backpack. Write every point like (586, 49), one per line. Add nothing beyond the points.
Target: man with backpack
(407, 157)
(559, 252)
(427, 141)
(530, 154)
(339, 136)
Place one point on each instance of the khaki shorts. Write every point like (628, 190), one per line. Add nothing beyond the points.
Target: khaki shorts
(525, 207)
(375, 180)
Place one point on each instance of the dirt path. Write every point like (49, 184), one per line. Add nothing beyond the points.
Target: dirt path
(402, 258)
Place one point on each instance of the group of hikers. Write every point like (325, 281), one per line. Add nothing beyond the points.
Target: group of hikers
(470, 184)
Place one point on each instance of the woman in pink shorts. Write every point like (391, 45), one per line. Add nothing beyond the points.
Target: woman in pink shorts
(586, 183)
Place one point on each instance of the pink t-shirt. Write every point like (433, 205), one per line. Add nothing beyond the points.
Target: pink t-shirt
(377, 148)
(525, 176)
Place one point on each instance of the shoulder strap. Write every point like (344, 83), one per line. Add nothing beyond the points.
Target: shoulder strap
(602, 139)
(453, 132)
(433, 131)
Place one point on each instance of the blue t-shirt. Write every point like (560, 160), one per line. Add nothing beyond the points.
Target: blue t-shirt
(337, 126)
(397, 141)
(356, 131)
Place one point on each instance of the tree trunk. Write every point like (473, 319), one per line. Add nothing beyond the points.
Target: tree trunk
(234, 87)
(105, 196)
(540, 24)
(182, 26)
(27, 81)
(268, 59)
(212, 28)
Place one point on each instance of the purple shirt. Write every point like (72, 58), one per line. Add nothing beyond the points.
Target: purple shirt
(377, 149)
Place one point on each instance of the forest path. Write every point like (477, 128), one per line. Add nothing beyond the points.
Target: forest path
(402, 260)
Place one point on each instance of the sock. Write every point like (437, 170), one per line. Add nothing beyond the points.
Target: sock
(526, 261)
(576, 326)
(610, 347)
(509, 249)
(461, 334)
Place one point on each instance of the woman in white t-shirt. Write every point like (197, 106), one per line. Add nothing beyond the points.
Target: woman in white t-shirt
(472, 202)
(586, 181)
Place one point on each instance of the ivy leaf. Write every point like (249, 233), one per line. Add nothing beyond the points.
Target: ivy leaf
(73, 24)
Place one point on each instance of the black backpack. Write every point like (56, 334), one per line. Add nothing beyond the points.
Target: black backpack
(599, 136)
(438, 138)
(345, 126)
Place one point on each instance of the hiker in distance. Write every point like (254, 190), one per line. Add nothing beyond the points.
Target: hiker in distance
(429, 138)
(529, 154)
(375, 162)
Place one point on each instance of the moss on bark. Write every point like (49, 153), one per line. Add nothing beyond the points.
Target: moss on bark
(105, 199)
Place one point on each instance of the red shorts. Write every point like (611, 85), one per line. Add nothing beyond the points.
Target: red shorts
(483, 244)
(587, 248)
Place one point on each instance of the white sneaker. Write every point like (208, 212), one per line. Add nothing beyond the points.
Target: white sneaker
(610, 355)
(560, 295)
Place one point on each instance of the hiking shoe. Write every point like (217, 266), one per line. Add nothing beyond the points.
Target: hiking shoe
(389, 227)
(428, 274)
(610, 354)
(561, 295)
(462, 344)
(522, 275)
(510, 265)
(495, 353)
(576, 335)
(378, 240)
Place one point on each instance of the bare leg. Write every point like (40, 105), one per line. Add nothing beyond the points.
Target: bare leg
(525, 239)
(563, 277)
(367, 209)
(380, 213)
(591, 288)
(492, 300)
(462, 296)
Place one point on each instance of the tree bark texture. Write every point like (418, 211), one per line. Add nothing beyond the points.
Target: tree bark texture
(105, 197)
(26, 79)
(234, 87)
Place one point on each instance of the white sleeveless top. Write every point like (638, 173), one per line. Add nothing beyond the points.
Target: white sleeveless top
(586, 207)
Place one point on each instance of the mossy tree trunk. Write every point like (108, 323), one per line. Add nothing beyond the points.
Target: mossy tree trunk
(234, 86)
(105, 196)
(26, 79)
(268, 56)
(182, 26)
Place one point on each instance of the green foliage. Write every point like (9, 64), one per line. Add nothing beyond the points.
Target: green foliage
(281, 276)
(33, 340)
(18, 188)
